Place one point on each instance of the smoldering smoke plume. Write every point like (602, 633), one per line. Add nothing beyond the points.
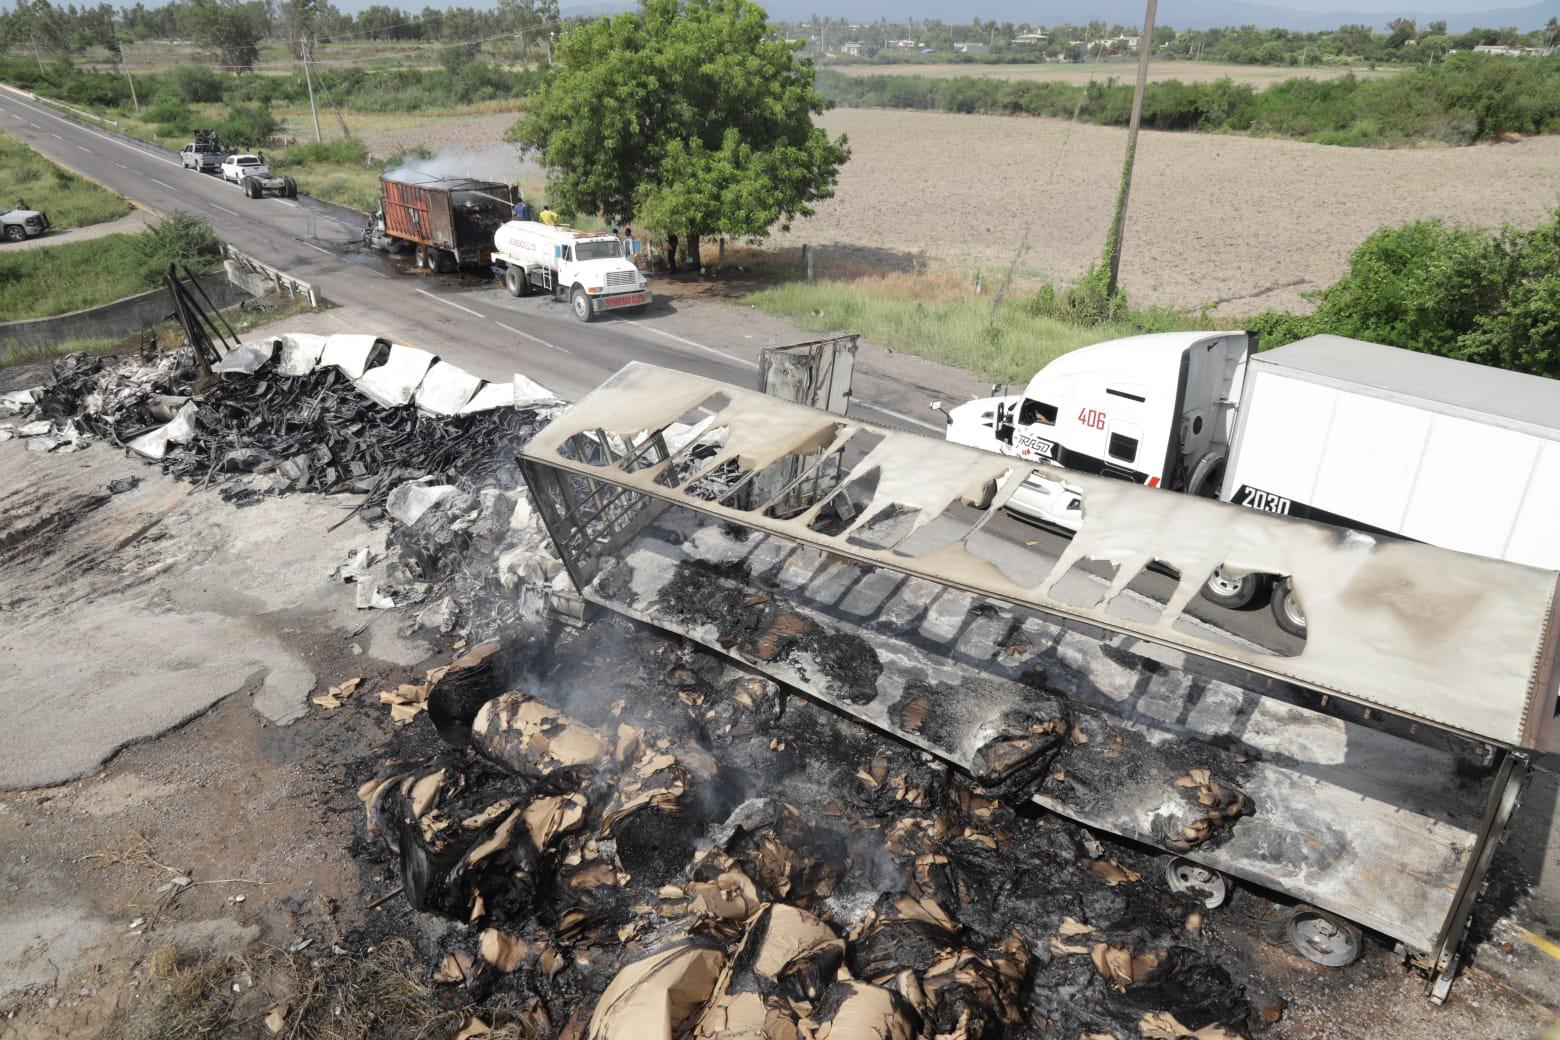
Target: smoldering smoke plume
(499, 162)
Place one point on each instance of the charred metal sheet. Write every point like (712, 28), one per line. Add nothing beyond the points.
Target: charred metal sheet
(352, 353)
(1460, 642)
(301, 353)
(248, 358)
(393, 383)
(154, 444)
(446, 389)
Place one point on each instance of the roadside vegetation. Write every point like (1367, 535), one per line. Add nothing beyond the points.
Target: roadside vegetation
(70, 201)
(37, 283)
(944, 318)
(1465, 99)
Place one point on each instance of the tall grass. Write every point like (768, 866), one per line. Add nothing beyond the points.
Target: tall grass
(939, 318)
(69, 200)
(37, 283)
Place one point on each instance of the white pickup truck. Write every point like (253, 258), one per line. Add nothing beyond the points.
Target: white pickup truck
(586, 268)
(252, 174)
(1381, 441)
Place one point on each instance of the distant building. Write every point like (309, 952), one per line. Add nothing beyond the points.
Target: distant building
(971, 47)
(854, 49)
(904, 45)
(1031, 39)
(1498, 48)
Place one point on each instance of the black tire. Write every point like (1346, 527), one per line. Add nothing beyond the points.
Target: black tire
(15, 232)
(1244, 594)
(579, 303)
(1286, 609)
(444, 261)
(420, 258)
(248, 184)
(515, 280)
(290, 188)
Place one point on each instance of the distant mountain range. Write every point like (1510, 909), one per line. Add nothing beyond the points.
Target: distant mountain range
(1182, 14)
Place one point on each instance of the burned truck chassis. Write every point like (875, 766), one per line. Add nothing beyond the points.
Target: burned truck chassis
(607, 486)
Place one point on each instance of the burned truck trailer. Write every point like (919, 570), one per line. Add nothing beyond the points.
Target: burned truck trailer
(1367, 777)
(447, 222)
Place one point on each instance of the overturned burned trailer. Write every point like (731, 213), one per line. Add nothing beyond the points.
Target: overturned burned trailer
(1368, 776)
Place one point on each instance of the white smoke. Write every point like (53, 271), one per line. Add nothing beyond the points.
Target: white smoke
(499, 162)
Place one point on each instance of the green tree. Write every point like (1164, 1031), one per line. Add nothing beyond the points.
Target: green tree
(229, 30)
(688, 115)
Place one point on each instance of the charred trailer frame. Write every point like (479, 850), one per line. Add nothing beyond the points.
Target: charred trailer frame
(450, 220)
(1377, 768)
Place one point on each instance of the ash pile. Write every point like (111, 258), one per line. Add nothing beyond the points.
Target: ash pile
(625, 835)
(336, 415)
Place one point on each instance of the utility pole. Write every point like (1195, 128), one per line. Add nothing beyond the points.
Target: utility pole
(121, 45)
(308, 78)
(1119, 220)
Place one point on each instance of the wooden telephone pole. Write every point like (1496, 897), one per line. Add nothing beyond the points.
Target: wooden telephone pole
(1119, 220)
(308, 78)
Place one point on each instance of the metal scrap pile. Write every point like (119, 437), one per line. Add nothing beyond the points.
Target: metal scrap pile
(87, 398)
(635, 838)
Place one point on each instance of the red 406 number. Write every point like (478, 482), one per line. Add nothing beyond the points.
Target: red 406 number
(1092, 417)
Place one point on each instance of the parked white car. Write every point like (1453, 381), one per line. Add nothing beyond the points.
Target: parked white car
(17, 224)
(236, 167)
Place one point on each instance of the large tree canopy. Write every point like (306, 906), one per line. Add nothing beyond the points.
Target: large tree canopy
(688, 115)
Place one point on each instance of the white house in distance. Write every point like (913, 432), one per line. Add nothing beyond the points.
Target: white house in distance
(904, 45)
(1031, 39)
(853, 48)
(971, 47)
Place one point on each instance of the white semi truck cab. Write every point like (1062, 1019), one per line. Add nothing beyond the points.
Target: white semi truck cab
(1374, 439)
(586, 268)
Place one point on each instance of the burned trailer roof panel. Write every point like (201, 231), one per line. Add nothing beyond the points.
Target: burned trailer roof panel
(1460, 642)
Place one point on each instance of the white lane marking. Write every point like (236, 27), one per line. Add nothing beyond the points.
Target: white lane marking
(533, 339)
(119, 164)
(697, 346)
(901, 416)
(231, 212)
(154, 180)
(56, 136)
(87, 129)
(289, 202)
(451, 303)
(83, 147)
(327, 252)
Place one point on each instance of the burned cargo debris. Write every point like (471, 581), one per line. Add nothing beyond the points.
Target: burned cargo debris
(761, 627)
(633, 844)
(426, 444)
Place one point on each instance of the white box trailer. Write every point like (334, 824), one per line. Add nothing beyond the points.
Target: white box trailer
(1390, 441)
(1375, 439)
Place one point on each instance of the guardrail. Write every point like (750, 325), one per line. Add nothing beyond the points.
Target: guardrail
(258, 278)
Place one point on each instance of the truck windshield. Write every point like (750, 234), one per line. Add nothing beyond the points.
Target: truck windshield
(603, 249)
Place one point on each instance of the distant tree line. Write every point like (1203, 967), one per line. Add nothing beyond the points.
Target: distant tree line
(1469, 97)
(1405, 41)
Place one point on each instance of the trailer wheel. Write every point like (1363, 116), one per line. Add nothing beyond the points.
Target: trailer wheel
(1286, 609)
(1185, 878)
(1319, 936)
(1234, 593)
(515, 280)
(289, 188)
(421, 257)
(443, 261)
(581, 304)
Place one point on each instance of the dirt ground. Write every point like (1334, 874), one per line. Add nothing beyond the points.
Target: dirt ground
(1185, 71)
(1246, 223)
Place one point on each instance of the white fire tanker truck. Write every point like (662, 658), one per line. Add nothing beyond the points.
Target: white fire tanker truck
(586, 268)
(1370, 438)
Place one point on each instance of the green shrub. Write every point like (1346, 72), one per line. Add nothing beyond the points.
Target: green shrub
(344, 151)
(193, 83)
(248, 126)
